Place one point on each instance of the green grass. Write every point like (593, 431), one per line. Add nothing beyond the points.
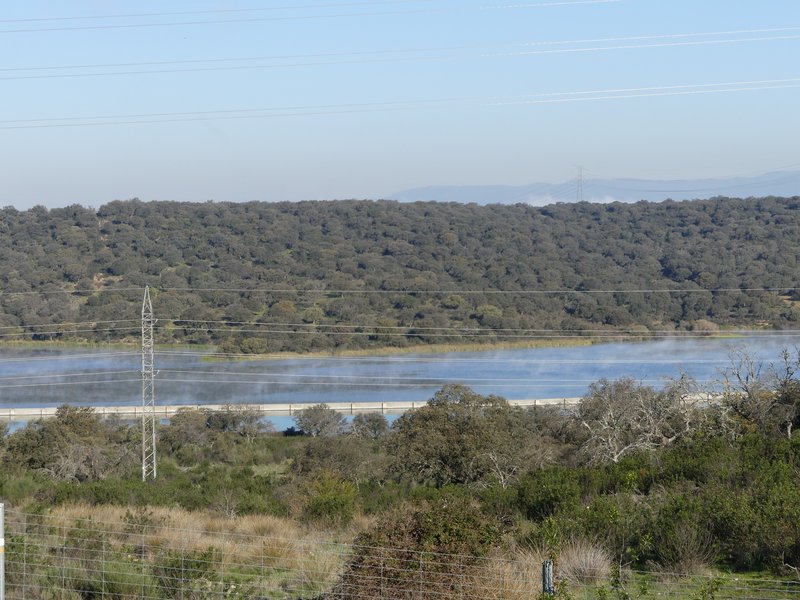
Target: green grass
(715, 585)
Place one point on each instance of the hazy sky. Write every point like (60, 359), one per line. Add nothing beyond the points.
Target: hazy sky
(319, 99)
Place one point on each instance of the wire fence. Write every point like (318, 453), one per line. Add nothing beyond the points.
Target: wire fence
(61, 558)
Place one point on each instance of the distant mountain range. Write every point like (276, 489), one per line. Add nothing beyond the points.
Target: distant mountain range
(780, 183)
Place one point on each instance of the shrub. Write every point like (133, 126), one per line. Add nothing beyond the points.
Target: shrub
(543, 492)
(121, 579)
(681, 537)
(180, 574)
(431, 547)
(15, 488)
(332, 501)
(502, 502)
(617, 521)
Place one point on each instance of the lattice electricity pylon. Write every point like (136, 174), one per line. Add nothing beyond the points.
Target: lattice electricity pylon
(148, 390)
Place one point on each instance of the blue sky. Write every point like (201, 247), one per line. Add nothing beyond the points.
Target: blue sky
(320, 99)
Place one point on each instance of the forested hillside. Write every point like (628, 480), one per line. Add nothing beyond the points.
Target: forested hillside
(382, 273)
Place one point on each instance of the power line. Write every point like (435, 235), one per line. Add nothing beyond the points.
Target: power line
(293, 379)
(406, 50)
(364, 358)
(661, 91)
(301, 379)
(661, 94)
(410, 51)
(67, 323)
(57, 375)
(660, 88)
(315, 377)
(429, 359)
(60, 383)
(81, 291)
(225, 68)
(643, 46)
(214, 22)
(246, 58)
(354, 377)
(215, 11)
(551, 291)
(371, 385)
(489, 334)
(285, 18)
(473, 291)
(465, 329)
(213, 113)
(353, 108)
(61, 332)
(100, 354)
(633, 38)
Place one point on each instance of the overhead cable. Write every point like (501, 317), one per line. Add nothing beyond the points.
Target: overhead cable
(455, 291)
(60, 383)
(382, 56)
(427, 358)
(97, 355)
(485, 291)
(58, 375)
(354, 108)
(306, 17)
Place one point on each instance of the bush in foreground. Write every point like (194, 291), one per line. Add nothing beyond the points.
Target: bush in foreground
(432, 547)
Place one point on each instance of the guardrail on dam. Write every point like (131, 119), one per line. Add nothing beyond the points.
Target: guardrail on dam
(266, 410)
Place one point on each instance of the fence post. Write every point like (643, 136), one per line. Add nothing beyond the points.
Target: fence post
(420, 574)
(460, 577)
(383, 586)
(547, 578)
(2, 551)
(222, 568)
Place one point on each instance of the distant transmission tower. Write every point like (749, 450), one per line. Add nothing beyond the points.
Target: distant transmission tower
(579, 191)
(148, 390)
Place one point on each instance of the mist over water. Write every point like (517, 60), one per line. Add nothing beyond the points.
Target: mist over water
(49, 377)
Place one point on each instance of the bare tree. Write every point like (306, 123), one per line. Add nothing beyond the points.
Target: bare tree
(767, 398)
(621, 417)
(787, 391)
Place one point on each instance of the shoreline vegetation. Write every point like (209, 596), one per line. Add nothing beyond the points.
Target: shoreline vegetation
(214, 353)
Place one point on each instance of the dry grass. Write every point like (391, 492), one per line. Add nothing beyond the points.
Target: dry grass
(518, 575)
(246, 537)
(415, 349)
(270, 557)
(519, 578)
(278, 552)
(582, 561)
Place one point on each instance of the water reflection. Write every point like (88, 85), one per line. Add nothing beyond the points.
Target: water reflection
(48, 377)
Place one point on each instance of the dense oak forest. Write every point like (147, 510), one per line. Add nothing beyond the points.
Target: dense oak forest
(369, 274)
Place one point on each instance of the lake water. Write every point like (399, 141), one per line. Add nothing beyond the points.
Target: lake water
(48, 377)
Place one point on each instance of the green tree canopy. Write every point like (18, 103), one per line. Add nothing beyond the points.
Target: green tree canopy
(463, 437)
